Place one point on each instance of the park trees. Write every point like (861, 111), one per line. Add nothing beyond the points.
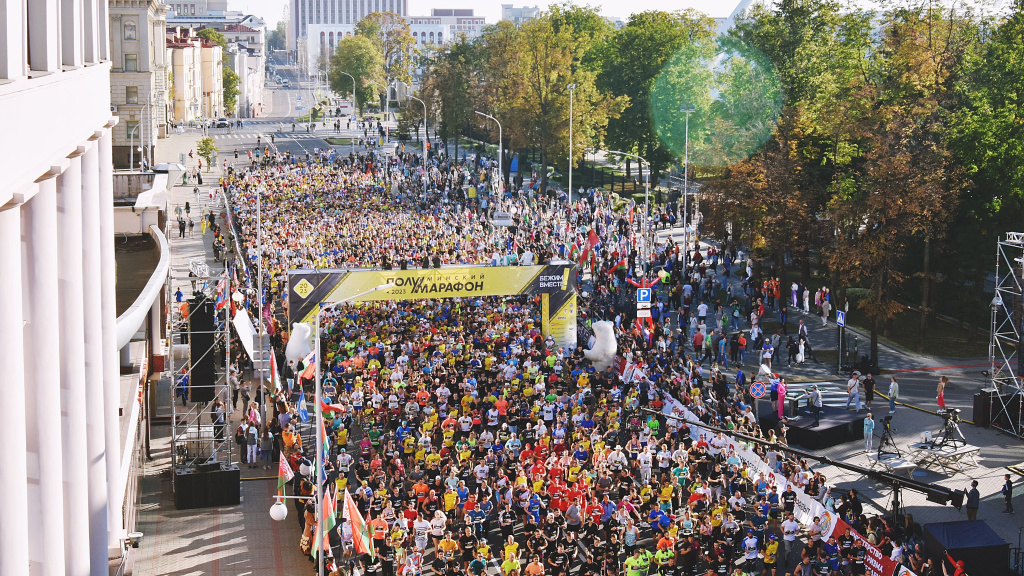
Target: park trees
(359, 57)
(390, 34)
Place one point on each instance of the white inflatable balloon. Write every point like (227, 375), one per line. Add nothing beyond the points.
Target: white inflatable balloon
(602, 353)
(298, 343)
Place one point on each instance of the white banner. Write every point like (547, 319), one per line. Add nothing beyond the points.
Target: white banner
(246, 332)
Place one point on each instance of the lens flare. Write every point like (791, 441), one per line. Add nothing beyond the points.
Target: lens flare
(736, 97)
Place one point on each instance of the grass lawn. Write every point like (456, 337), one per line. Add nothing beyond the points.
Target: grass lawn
(339, 141)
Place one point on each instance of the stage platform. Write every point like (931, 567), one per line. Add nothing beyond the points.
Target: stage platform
(836, 426)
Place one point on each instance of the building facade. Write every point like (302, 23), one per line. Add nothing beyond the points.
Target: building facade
(197, 92)
(519, 14)
(138, 79)
(62, 455)
(306, 13)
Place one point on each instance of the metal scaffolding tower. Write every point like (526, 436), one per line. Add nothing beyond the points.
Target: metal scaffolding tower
(206, 353)
(1007, 336)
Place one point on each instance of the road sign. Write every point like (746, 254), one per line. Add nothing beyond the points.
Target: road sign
(840, 318)
(299, 98)
(643, 313)
(757, 389)
(643, 295)
(643, 305)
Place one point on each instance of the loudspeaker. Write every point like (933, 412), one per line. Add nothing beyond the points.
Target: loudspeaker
(193, 489)
(983, 407)
(201, 338)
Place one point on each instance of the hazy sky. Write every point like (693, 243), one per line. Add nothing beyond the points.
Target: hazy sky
(271, 10)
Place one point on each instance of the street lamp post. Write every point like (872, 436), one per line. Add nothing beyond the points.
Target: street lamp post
(131, 147)
(572, 91)
(424, 141)
(319, 413)
(686, 172)
(353, 86)
(647, 194)
(501, 153)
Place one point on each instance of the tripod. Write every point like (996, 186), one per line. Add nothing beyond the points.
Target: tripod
(951, 434)
(887, 446)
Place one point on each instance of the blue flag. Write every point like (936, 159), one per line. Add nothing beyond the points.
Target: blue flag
(303, 413)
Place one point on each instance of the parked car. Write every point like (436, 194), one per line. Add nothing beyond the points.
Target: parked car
(223, 123)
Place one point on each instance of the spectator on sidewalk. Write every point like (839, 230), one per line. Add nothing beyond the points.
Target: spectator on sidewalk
(869, 432)
(894, 393)
(973, 501)
(1007, 493)
(853, 390)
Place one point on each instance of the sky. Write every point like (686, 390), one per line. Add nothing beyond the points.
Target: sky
(271, 10)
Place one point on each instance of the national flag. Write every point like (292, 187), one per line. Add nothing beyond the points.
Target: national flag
(593, 240)
(275, 375)
(325, 407)
(360, 531)
(324, 525)
(222, 297)
(621, 265)
(632, 210)
(284, 474)
(303, 412)
(574, 252)
(309, 372)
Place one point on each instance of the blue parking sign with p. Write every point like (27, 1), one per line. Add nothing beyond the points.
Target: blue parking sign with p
(643, 295)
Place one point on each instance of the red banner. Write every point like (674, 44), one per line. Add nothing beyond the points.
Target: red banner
(875, 563)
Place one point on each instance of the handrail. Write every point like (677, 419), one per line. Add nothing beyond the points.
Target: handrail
(130, 320)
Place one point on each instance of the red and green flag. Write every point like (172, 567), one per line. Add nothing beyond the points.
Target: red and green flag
(621, 265)
(360, 530)
(326, 523)
(284, 474)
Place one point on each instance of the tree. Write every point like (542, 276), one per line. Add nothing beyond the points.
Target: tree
(449, 80)
(207, 149)
(390, 32)
(359, 57)
(230, 83)
(278, 37)
(538, 113)
(636, 56)
(213, 36)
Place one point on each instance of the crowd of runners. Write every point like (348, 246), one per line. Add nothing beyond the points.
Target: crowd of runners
(474, 444)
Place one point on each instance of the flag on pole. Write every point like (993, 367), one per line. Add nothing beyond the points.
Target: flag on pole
(309, 372)
(284, 474)
(621, 265)
(325, 524)
(325, 407)
(275, 376)
(303, 412)
(360, 531)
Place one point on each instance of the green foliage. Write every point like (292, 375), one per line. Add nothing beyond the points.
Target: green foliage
(278, 37)
(213, 36)
(207, 149)
(230, 83)
(359, 57)
(390, 33)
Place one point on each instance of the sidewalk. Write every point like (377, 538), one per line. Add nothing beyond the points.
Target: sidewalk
(228, 540)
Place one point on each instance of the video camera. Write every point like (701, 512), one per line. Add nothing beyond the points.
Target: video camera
(951, 414)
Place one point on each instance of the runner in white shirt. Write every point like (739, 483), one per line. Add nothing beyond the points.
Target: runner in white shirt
(420, 529)
(790, 527)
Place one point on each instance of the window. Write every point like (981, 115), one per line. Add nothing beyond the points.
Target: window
(131, 94)
(131, 130)
(131, 62)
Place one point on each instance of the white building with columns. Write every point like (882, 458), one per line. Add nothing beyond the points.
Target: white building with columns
(59, 359)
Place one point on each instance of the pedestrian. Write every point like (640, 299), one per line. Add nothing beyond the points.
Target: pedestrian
(814, 403)
(869, 432)
(940, 393)
(1007, 493)
(181, 227)
(191, 228)
(869, 389)
(973, 501)
(853, 391)
(825, 307)
(894, 393)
